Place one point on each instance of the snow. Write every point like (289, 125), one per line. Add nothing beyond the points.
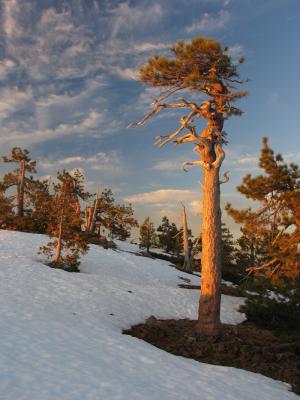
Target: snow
(61, 332)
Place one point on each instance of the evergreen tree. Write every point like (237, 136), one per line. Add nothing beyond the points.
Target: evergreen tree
(18, 176)
(147, 234)
(117, 219)
(121, 221)
(65, 222)
(228, 247)
(276, 224)
(200, 67)
(100, 213)
(39, 200)
(6, 209)
(168, 236)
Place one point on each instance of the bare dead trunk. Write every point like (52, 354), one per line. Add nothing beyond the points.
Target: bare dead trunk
(94, 214)
(59, 239)
(21, 188)
(210, 299)
(89, 219)
(187, 263)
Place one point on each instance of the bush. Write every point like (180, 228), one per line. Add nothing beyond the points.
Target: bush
(274, 315)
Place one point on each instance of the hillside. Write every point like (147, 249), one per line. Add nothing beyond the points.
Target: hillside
(61, 333)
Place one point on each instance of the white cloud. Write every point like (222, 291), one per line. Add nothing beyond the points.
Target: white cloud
(6, 66)
(235, 52)
(246, 160)
(149, 46)
(11, 12)
(195, 207)
(109, 163)
(162, 196)
(126, 73)
(210, 22)
(127, 17)
(12, 99)
(166, 165)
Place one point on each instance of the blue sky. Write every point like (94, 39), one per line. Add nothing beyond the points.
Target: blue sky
(67, 91)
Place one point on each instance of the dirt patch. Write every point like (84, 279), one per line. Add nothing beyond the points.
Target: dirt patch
(242, 346)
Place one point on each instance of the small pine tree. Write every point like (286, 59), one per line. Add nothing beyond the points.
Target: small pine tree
(6, 209)
(39, 198)
(18, 176)
(147, 234)
(121, 221)
(65, 222)
(168, 236)
(276, 224)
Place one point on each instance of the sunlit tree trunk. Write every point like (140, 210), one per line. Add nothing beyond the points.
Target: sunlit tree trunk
(209, 306)
(59, 239)
(21, 188)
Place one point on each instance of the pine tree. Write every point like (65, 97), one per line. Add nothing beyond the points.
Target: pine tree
(121, 221)
(200, 67)
(39, 201)
(276, 224)
(65, 222)
(228, 247)
(6, 209)
(147, 234)
(168, 236)
(18, 176)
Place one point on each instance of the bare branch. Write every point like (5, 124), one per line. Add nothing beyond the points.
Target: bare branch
(263, 266)
(184, 122)
(157, 107)
(220, 155)
(198, 162)
(225, 178)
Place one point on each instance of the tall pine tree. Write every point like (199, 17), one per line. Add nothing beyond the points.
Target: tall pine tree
(203, 68)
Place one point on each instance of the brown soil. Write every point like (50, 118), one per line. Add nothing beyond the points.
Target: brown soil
(241, 346)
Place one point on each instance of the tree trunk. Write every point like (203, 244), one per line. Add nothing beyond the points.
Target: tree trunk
(59, 239)
(89, 219)
(187, 263)
(210, 299)
(94, 214)
(21, 188)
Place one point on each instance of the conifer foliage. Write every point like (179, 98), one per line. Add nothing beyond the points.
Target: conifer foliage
(169, 236)
(117, 219)
(275, 227)
(65, 222)
(18, 177)
(148, 236)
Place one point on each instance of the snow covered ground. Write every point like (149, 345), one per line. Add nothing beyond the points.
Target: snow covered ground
(61, 333)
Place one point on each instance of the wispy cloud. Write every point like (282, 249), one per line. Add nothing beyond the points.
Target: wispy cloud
(166, 165)
(162, 196)
(109, 163)
(210, 22)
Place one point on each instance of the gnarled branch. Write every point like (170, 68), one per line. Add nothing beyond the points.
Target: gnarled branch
(225, 178)
(157, 107)
(220, 153)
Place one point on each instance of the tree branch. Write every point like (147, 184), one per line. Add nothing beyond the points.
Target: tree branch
(225, 178)
(158, 107)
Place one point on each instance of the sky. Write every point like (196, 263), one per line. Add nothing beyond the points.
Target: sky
(69, 90)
